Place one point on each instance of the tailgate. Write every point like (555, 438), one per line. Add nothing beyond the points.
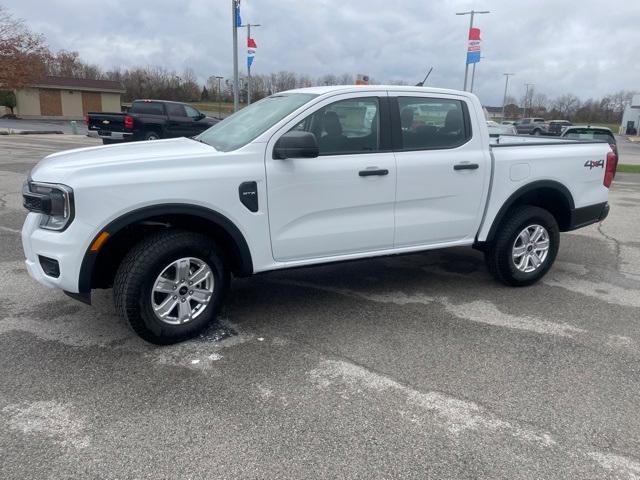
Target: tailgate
(106, 121)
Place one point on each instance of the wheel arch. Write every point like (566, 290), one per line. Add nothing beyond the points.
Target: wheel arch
(98, 268)
(548, 194)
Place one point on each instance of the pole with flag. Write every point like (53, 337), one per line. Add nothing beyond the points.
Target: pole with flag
(251, 53)
(473, 55)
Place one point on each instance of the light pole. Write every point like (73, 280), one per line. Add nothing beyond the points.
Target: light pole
(506, 85)
(526, 96)
(219, 78)
(473, 74)
(466, 65)
(249, 25)
(234, 18)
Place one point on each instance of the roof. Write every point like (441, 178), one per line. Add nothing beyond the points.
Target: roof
(588, 127)
(81, 84)
(494, 109)
(375, 88)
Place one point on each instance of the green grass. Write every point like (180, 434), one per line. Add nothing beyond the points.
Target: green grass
(626, 168)
(213, 106)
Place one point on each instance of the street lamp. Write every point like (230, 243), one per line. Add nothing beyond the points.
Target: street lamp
(466, 64)
(506, 85)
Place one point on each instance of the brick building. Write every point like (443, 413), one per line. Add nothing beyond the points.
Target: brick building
(67, 98)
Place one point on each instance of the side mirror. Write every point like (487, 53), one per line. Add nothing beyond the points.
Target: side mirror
(201, 116)
(296, 145)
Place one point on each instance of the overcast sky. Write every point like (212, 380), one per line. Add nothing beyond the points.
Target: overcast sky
(586, 47)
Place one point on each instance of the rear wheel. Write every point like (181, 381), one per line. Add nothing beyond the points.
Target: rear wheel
(170, 286)
(537, 133)
(151, 135)
(107, 141)
(525, 246)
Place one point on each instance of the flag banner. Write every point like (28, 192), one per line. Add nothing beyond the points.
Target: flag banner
(238, 19)
(251, 51)
(473, 50)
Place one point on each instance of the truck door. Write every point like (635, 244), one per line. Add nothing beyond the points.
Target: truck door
(443, 169)
(178, 123)
(342, 201)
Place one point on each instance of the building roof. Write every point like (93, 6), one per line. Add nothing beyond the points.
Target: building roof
(494, 109)
(69, 83)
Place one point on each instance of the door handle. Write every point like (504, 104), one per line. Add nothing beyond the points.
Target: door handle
(466, 166)
(372, 172)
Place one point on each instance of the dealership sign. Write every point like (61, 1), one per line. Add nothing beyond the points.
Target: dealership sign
(473, 50)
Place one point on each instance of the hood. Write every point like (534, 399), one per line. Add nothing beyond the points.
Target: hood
(130, 155)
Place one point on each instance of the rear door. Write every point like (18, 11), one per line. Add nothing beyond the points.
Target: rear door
(443, 169)
(341, 202)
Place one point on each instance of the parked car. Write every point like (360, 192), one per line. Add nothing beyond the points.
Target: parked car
(557, 126)
(149, 120)
(300, 178)
(532, 126)
(592, 133)
(500, 129)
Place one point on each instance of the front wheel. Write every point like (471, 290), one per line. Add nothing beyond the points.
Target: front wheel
(525, 246)
(170, 286)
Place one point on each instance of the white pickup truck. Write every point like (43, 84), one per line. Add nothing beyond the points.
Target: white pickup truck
(302, 177)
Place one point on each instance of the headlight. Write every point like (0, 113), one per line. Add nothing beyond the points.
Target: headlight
(54, 201)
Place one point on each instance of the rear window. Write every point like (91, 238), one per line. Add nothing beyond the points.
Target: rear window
(590, 134)
(150, 108)
(433, 123)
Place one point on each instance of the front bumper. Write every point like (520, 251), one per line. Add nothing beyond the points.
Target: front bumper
(67, 248)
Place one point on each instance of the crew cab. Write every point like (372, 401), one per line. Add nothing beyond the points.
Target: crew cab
(300, 178)
(148, 120)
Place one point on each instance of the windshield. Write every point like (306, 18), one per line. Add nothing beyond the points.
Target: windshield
(245, 125)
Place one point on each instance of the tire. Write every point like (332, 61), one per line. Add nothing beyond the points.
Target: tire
(151, 135)
(142, 268)
(537, 133)
(106, 141)
(500, 256)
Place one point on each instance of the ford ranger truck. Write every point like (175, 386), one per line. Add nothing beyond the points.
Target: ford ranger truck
(300, 178)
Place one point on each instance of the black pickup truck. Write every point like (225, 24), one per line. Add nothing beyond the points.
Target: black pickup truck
(148, 120)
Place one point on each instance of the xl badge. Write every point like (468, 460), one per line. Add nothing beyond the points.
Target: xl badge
(105, 121)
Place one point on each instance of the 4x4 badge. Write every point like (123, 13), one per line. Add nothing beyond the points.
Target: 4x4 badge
(594, 163)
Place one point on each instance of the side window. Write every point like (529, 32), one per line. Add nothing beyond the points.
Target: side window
(430, 123)
(525, 121)
(192, 112)
(175, 110)
(150, 108)
(346, 126)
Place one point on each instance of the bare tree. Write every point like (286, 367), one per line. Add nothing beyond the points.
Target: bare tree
(69, 64)
(23, 54)
(566, 105)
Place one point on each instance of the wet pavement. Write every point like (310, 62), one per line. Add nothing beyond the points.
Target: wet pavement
(419, 366)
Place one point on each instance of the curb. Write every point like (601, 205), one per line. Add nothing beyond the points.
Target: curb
(33, 132)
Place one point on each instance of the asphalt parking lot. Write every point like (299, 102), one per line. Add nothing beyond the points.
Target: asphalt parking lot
(417, 366)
